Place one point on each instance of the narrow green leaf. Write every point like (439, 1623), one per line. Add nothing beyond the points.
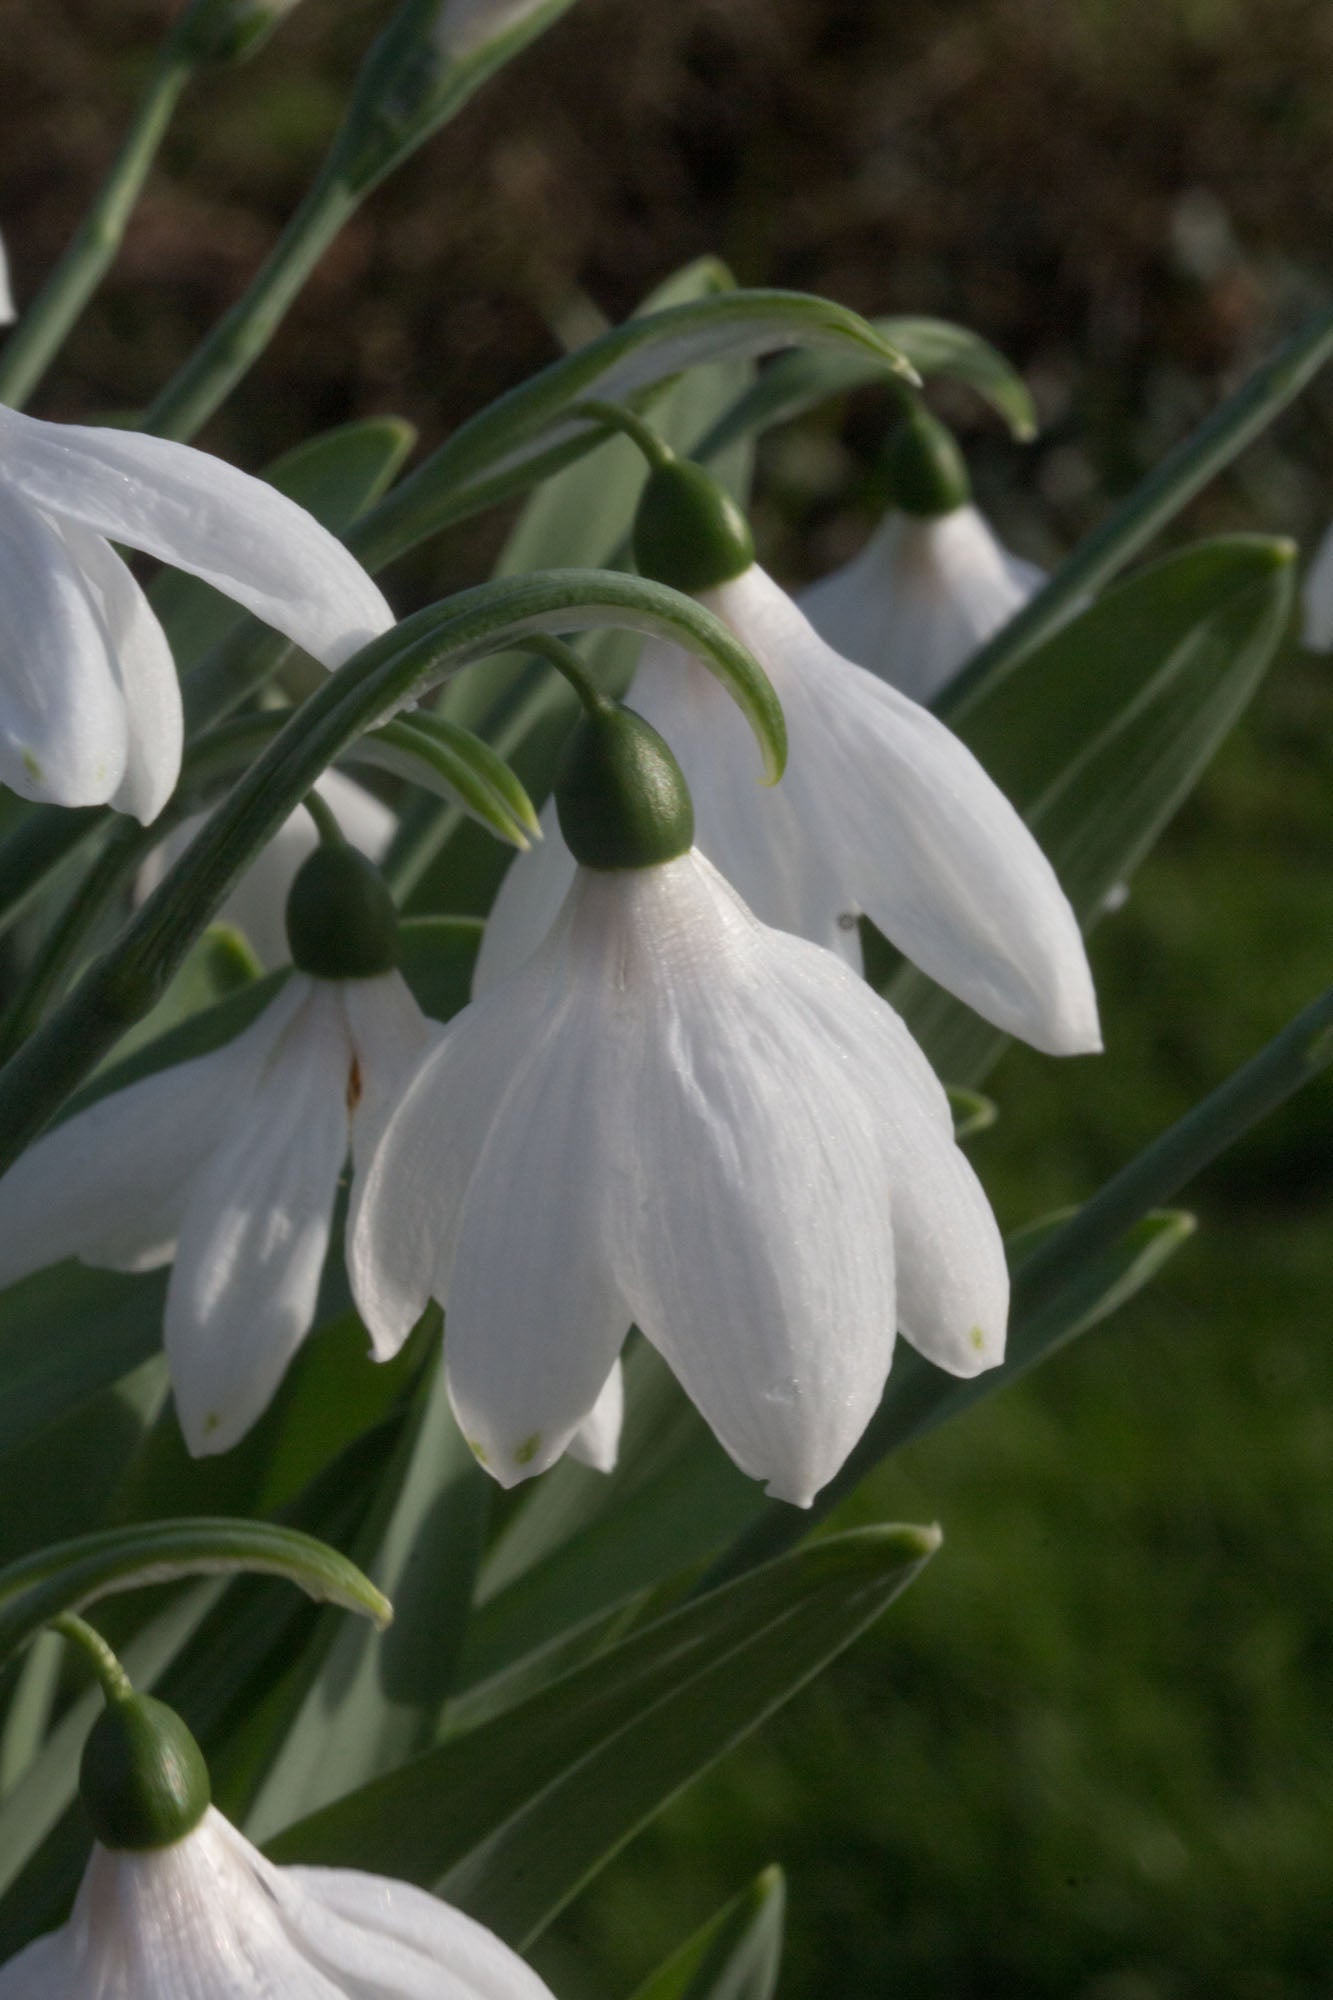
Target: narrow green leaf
(799, 382)
(511, 1819)
(529, 432)
(453, 763)
(737, 1955)
(65, 1334)
(378, 1700)
(76, 1573)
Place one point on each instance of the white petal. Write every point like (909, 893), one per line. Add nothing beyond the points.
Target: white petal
(920, 598)
(534, 1317)
(596, 1442)
(155, 719)
(110, 1185)
(932, 850)
(762, 1265)
(1317, 598)
(256, 1229)
(62, 713)
(530, 898)
(410, 1185)
(390, 1037)
(202, 515)
(395, 1942)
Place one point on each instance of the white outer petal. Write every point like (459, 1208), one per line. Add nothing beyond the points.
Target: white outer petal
(394, 1941)
(390, 1037)
(110, 1185)
(256, 1228)
(202, 515)
(534, 1316)
(920, 598)
(1317, 598)
(63, 728)
(530, 898)
(155, 718)
(932, 850)
(410, 1184)
(596, 1442)
(757, 1240)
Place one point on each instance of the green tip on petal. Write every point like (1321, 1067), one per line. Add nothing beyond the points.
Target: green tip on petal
(688, 531)
(341, 920)
(143, 1779)
(620, 795)
(926, 472)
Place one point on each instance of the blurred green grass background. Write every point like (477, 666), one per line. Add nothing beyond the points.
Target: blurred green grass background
(1089, 1754)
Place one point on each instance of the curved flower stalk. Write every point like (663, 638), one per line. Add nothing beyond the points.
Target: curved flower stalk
(228, 1167)
(210, 1918)
(674, 1116)
(90, 708)
(923, 594)
(882, 809)
(258, 903)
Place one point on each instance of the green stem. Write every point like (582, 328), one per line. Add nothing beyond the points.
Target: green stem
(116, 1685)
(567, 662)
(34, 343)
(917, 1396)
(1142, 515)
(241, 336)
(326, 826)
(615, 417)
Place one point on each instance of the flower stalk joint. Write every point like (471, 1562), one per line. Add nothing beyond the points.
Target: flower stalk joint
(341, 920)
(620, 795)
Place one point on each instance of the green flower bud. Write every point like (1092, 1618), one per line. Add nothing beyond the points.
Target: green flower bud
(620, 795)
(226, 31)
(143, 1779)
(341, 921)
(927, 473)
(688, 531)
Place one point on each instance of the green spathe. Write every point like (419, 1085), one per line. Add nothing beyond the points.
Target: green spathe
(688, 531)
(926, 472)
(341, 920)
(143, 1779)
(620, 795)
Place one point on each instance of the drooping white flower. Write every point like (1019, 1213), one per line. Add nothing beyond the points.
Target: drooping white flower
(258, 903)
(674, 1116)
(882, 810)
(1317, 598)
(924, 593)
(7, 313)
(90, 709)
(227, 1166)
(208, 1918)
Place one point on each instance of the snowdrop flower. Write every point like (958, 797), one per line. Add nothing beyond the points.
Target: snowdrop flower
(175, 1902)
(1317, 598)
(7, 313)
(674, 1116)
(882, 809)
(257, 905)
(90, 708)
(228, 1165)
